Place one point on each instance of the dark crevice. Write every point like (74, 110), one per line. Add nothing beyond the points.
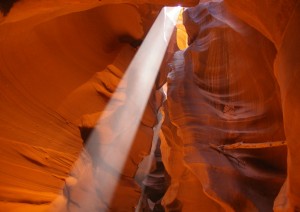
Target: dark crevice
(6, 5)
(130, 40)
(155, 185)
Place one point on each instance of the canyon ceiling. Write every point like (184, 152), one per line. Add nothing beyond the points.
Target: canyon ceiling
(225, 106)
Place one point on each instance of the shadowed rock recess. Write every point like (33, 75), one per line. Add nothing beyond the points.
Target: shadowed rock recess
(220, 131)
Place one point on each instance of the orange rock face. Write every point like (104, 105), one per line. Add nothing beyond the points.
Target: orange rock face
(230, 73)
(53, 77)
(222, 90)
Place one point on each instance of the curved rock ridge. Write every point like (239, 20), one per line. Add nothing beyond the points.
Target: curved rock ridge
(44, 10)
(235, 80)
(222, 90)
(45, 65)
(278, 21)
(185, 192)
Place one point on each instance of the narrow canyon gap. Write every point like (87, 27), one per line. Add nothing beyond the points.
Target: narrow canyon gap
(226, 97)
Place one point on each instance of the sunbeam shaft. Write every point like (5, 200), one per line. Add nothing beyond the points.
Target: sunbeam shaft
(114, 132)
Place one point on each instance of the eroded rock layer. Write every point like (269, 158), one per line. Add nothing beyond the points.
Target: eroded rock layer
(224, 89)
(237, 81)
(53, 81)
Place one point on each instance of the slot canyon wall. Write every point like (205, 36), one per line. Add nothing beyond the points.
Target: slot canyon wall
(235, 79)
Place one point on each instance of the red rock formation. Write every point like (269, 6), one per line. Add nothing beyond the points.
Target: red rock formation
(45, 62)
(222, 90)
(60, 62)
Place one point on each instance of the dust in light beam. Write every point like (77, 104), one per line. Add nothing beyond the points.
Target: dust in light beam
(114, 132)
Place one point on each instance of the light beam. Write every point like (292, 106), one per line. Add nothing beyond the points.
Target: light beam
(114, 133)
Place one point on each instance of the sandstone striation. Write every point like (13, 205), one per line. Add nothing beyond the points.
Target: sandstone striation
(229, 76)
